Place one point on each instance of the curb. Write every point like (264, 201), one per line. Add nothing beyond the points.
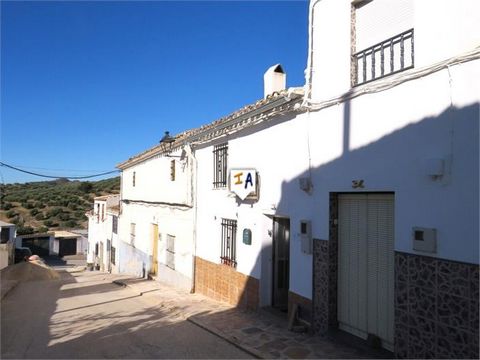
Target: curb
(249, 350)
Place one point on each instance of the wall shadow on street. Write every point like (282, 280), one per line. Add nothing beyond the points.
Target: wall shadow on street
(112, 322)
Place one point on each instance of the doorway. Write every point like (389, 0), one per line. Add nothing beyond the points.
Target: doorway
(281, 263)
(154, 269)
(366, 266)
(67, 247)
(102, 265)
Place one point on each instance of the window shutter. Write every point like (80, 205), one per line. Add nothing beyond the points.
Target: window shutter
(381, 19)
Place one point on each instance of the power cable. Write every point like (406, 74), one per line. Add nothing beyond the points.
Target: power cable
(55, 169)
(56, 177)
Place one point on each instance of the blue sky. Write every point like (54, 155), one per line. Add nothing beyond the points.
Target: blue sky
(86, 85)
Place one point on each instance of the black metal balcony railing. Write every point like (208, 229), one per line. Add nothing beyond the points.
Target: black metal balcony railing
(388, 57)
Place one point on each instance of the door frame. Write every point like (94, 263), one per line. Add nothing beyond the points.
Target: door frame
(155, 235)
(337, 254)
(274, 291)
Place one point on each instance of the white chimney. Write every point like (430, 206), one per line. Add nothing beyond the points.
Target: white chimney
(274, 79)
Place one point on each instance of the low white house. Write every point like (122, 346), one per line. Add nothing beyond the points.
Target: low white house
(60, 243)
(7, 243)
(68, 243)
(41, 244)
(157, 213)
(103, 233)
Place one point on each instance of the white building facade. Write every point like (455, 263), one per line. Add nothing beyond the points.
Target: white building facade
(156, 221)
(103, 241)
(355, 198)
(7, 243)
(393, 119)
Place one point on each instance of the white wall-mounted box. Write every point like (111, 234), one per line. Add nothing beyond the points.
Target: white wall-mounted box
(424, 239)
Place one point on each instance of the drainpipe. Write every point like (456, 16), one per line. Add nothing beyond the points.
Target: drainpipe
(309, 69)
(193, 181)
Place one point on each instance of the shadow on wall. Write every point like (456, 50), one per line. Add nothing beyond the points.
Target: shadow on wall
(133, 261)
(398, 162)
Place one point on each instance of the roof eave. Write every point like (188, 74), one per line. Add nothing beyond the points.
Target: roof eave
(281, 100)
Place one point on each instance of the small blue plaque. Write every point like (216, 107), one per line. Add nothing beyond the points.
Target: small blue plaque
(247, 236)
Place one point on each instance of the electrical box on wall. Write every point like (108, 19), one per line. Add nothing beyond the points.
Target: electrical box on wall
(424, 239)
(306, 236)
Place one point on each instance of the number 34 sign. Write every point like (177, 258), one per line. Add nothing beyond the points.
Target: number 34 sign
(243, 182)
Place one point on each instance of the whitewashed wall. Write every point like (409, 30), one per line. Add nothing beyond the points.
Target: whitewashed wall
(166, 203)
(152, 180)
(443, 29)
(385, 140)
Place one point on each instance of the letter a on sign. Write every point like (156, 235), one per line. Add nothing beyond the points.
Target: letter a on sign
(243, 182)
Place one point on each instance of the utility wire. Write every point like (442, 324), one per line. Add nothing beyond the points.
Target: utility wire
(55, 169)
(56, 177)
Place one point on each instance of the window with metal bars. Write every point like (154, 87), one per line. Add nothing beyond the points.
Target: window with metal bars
(229, 235)
(112, 255)
(220, 157)
(115, 224)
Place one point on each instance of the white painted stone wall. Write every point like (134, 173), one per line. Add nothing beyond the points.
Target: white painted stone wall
(384, 139)
(156, 199)
(101, 231)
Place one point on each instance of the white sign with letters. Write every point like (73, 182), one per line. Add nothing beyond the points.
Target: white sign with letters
(243, 182)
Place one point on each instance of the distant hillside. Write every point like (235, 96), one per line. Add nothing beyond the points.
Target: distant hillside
(51, 205)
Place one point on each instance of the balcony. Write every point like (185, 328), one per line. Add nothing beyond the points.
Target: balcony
(388, 57)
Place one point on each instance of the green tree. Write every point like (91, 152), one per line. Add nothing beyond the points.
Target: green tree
(42, 229)
(7, 206)
(10, 214)
(25, 230)
(70, 224)
(39, 216)
(85, 187)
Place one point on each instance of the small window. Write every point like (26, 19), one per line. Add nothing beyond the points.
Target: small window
(132, 233)
(115, 224)
(96, 249)
(103, 212)
(170, 251)
(172, 170)
(98, 213)
(133, 178)
(5, 235)
(229, 234)
(112, 255)
(220, 157)
(382, 39)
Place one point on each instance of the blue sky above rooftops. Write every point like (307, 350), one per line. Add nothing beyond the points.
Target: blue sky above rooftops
(86, 85)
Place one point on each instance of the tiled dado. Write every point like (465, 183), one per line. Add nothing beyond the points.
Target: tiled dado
(224, 283)
(304, 306)
(325, 270)
(436, 308)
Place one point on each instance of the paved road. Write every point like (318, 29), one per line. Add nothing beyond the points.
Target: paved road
(84, 315)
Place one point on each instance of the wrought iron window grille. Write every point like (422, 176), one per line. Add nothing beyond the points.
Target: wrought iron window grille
(220, 157)
(386, 58)
(229, 240)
